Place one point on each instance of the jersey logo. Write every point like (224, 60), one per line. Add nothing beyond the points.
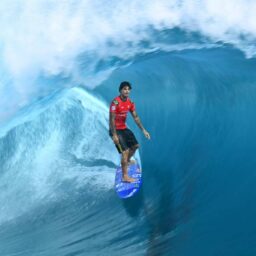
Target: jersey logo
(113, 108)
(115, 102)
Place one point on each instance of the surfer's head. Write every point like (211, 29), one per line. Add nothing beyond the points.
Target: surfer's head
(124, 84)
(124, 89)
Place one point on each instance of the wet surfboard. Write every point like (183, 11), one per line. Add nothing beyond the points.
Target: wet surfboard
(125, 189)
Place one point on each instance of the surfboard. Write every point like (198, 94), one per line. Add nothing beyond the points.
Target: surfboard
(125, 189)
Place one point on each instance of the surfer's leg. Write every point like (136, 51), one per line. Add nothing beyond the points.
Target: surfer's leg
(124, 164)
(132, 144)
(131, 152)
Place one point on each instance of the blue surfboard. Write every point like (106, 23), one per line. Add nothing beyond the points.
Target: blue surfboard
(125, 189)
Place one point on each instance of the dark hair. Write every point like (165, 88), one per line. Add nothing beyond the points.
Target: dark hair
(123, 84)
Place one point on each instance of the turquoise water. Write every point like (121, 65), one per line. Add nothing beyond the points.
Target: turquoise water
(194, 85)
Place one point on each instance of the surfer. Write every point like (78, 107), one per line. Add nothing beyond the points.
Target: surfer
(124, 139)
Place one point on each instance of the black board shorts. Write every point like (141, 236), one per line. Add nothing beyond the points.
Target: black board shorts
(126, 139)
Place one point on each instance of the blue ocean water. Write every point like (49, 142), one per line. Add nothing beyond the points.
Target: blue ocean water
(192, 67)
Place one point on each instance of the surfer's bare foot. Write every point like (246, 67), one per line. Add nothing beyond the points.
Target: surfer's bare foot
(128, 179)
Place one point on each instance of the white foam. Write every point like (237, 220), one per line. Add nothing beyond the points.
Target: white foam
(46, 37)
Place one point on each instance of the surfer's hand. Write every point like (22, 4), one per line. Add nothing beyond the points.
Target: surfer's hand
(115, 139)
(147, 135)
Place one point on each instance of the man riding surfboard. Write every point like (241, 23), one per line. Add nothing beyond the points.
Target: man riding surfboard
(124, 139)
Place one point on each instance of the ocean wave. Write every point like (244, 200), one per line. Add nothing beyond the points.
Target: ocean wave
(62, 139)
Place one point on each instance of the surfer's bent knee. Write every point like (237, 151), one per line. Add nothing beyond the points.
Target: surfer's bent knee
(125, 156)
(135, 146)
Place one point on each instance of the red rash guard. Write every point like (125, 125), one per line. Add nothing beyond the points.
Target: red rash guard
(121, 108)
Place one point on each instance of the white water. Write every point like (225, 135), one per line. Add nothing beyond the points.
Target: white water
(41, 149)
(70, 38)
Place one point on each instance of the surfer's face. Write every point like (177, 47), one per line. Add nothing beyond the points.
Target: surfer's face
(125, 91)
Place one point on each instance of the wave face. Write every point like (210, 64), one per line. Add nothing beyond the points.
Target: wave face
(192, 68)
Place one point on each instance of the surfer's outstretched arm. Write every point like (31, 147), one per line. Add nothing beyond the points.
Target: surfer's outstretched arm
(138, 122)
